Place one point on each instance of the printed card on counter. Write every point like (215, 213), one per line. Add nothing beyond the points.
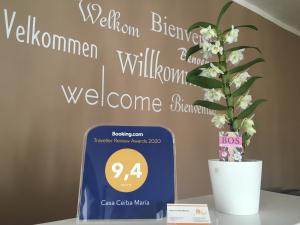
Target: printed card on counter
(186, 214)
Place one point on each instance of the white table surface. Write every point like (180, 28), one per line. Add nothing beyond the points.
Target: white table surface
(275, 209)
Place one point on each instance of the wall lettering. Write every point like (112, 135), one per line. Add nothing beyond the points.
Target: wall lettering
(160, 24)
(30, 35)
(92, 12)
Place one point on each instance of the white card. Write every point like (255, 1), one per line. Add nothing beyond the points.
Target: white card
(188, 214)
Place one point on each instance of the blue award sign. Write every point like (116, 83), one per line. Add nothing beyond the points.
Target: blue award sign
(127, 173)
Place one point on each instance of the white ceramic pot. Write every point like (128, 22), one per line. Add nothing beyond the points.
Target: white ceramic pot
(236, 186)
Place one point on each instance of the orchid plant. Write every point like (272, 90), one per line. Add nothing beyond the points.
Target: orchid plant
(223, 79)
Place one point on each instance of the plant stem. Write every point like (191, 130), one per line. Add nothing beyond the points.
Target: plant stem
(226, 90)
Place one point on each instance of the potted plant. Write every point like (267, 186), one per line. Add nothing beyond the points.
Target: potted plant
(226, 83)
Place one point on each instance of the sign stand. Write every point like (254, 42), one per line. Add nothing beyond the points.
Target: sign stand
(128, 172)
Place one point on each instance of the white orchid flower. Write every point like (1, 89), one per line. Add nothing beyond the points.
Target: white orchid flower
(213, 95)
(236, 56)
(248, 122)
(207, 72)
(240, 79)
(206, 49)
(212, 71)
(208, 33)
(216, 48)
(205, 46)
(245, 101)
(219, 120)
(232, 35)
(248, 127)
(250, 130)
(216, 69)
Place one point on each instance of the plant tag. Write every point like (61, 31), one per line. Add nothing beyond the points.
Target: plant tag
(188, 214)
(230, 146)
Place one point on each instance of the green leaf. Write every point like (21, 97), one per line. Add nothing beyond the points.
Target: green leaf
(210, 105)
(241, 26)
(191, 51)
(193, 73)
(204, 82)
(245, 66)
(242, 47)
(248, 111)
(245, 87)
(197, 70)
(223, 10)
(201, 24)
